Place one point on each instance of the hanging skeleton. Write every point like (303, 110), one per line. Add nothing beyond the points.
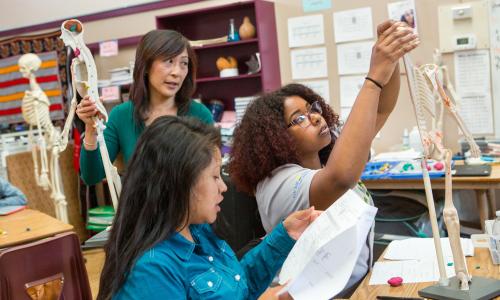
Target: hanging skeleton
(35, 109)
(425, 84)
(84, 74)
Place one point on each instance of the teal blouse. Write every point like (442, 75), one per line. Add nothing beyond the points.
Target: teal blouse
(208, 269)
(121, 135)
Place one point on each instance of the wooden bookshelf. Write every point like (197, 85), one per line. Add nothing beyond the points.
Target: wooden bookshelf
(213, 22)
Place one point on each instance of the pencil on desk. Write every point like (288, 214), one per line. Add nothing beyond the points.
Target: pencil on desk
(397, 298)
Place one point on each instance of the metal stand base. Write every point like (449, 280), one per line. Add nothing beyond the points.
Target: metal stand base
(479, 288)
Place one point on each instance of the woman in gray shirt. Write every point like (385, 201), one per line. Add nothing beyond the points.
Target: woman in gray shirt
(287, 150)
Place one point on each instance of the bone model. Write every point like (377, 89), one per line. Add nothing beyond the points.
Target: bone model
(425, 89)
(84, 74)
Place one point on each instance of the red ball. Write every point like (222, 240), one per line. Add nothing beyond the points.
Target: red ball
(395, 281)
(439, 166)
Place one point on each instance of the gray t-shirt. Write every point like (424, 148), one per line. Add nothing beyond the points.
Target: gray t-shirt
(286, 191)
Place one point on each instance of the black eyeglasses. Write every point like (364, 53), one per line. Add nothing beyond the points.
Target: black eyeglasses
(304, 120)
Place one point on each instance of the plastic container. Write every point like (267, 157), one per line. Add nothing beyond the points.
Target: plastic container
(414, 139)
(495, 229)
(495, 240)
(406, 139)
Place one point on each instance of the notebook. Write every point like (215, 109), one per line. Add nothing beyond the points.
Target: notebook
(472, 170)
(7, 210)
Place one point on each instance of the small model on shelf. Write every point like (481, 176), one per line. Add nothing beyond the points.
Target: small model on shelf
(253, 64)
(233, 35)
(247, 30)
(227, 66)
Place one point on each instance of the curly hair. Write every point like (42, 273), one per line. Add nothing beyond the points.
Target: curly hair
(261, 141)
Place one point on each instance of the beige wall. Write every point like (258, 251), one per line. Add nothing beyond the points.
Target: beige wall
(401, 118)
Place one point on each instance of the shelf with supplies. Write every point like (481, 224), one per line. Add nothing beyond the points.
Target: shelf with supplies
(226, 44)
(245, 65)
(218, 78)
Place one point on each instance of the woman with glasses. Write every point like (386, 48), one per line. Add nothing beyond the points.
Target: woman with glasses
(287, 150)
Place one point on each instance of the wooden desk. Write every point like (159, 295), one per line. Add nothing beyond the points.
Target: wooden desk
(481, 258)
(94, 262)
(29, 225)
(484, 186)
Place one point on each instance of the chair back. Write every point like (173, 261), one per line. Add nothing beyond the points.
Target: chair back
(49, 269)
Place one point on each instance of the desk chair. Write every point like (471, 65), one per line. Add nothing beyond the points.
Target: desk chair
(238, 222)
(49, 269)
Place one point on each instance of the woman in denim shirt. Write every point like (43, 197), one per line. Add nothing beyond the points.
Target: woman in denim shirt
(161, 246)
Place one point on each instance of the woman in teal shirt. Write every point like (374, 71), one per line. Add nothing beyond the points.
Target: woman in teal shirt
(164, 80)
(161, 246)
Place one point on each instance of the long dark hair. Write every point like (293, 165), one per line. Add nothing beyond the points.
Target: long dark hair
(160, 44)
(262, 139)
(154, 202)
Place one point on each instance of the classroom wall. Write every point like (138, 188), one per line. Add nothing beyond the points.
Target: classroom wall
(402, 117)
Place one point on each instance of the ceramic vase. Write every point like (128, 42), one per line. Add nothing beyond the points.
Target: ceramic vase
(247, 30)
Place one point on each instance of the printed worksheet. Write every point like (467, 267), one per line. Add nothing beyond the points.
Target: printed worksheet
(306, 31)
(322, 260)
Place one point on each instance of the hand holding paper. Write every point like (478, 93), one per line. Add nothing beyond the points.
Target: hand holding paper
(321, 262)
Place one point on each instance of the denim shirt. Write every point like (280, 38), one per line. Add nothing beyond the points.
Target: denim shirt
(10, 195)
(208, 269)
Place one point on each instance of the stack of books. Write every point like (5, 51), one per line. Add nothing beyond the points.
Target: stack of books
(120, 76)
(240, 106)
(226, 126)
(99, 218)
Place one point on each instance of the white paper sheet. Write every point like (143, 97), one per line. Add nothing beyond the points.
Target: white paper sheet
(349, 89)
(472, 82)
(423, 248)
(317, 266)
(353, 25)
(354, 58)
(309, 63)
(321, 87)
(306, 31)
(403, 11)
(315, 5)
(410, 270)
(397, 156)
(495, 60)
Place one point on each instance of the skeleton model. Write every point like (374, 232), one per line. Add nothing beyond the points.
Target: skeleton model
(84, 74)
(35, 108)
(424, 83)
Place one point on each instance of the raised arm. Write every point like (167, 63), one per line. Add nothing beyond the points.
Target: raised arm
(369, 113)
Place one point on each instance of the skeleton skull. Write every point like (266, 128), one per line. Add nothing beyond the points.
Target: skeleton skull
(69, 29)
(28, 64)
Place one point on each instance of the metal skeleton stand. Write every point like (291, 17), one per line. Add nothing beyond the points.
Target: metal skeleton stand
(84, 75)
(424, 85)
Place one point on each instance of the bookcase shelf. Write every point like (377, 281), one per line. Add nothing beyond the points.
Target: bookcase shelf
(218, 78)
(226, 44)
(213, 22)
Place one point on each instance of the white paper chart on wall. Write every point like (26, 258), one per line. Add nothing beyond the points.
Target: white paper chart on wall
(354, 58)
(306, 31)
(353, 25)
(472, 79)
(495, 58)
(309, 63)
